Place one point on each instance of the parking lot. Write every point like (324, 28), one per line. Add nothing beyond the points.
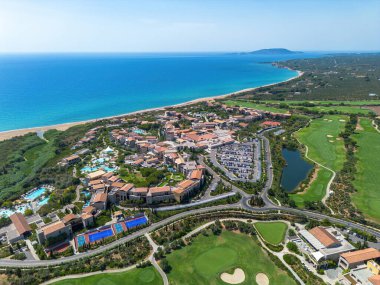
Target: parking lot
(240, 160)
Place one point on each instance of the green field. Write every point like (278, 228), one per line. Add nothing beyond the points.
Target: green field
(329, 151)
(207, 257)
(343, 109)
(143, 276)
(252, 105)
(272, 232)
(367, 179)
(351, 103)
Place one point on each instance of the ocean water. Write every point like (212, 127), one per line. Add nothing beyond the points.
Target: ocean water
(47, 89)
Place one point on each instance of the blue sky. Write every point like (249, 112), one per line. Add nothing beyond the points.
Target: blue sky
(183, 26)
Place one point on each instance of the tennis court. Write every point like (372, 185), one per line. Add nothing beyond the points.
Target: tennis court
(118, 228)
(100, 235)
(136, 222)
(81, 240)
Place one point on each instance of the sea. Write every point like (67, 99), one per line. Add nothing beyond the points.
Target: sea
(48, 89)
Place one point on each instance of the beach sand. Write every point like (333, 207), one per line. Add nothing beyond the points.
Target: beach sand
(4, 135)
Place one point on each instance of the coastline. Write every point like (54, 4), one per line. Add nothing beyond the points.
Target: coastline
(5, 135)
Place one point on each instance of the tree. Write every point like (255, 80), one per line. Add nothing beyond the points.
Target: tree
(165, 265)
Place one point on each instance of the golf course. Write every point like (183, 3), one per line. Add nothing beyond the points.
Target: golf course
(367, 179)
(256, 106)
(321, 138)
(138, 276)
(272, 232)
(208, 257)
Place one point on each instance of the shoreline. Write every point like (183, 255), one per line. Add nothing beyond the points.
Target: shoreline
(5, 135)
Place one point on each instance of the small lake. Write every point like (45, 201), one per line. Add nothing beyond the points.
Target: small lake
(295, 171)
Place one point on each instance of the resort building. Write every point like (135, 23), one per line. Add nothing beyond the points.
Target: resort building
(99, 201)
(71, 160)
(185, 188)
(354, 259)
(159, 194)
(19, 228)
(325, 244)
(54, 233)
(363, 266)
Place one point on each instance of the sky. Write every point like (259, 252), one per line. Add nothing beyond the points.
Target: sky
(188, 26)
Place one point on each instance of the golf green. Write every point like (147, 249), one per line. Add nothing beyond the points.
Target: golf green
(272, 232)
(208, 257)
(138, 276)
(325, 147)
(367, 178)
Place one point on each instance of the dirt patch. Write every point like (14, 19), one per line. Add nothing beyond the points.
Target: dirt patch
(236, 278)
(375, 109)
(314, 176)
(358, 126)
(262, 279)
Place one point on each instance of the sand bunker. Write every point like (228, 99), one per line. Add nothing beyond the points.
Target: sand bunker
(236, 278)
(262, 279)
(342, 120)
(329, 136)
(331, 141)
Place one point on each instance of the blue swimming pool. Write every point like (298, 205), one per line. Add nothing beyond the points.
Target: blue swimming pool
(119, 228)
(35, 194)
(136, 222)
(81, 241)
(100, 235)
(43, 201)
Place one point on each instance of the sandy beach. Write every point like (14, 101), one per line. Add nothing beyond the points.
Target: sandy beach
(62, 127)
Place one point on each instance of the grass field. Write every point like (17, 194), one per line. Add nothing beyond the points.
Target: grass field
(252, 105)
(367, 179)
(324, 147)
(206, 258)
(352, 103)
(143, 276)
(272, 232)
(343, 109)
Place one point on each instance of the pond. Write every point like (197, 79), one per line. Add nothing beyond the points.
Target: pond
(295, 171)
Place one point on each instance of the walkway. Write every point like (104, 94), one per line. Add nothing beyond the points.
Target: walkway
(153, 260)
(75, 276)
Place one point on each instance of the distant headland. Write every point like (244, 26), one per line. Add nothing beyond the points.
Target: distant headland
(273, 51)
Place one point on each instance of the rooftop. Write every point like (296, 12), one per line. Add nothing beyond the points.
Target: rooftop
(361, 255)
(20, 223)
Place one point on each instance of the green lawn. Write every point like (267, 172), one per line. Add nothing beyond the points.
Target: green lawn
(206, 258)
(143, 276)
(272, 232)
(367, 179)
(343, 109)
(352, 103)
(324, 147)
(252, 105)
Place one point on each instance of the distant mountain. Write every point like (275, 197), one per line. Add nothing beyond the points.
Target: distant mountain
(274, 51)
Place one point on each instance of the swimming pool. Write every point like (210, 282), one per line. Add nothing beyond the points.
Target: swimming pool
(35, 194)
(118, 228)
(88, 169)
(136, 222)
(139, 131)
(43, 202)
(81, 241)
(9, 212)
(100, 235)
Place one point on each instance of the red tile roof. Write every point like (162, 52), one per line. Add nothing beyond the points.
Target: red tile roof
(20, 223)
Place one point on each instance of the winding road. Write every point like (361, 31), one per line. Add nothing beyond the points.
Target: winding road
(242, 204)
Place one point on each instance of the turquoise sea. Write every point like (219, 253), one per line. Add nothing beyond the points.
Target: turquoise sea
(48, 89)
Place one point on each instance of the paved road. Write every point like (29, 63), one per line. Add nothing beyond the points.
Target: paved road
(242, 204)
